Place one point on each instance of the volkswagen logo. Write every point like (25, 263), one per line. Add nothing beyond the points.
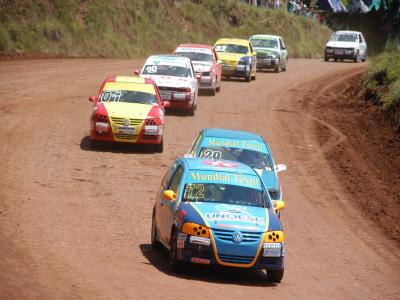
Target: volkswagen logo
(126, 122)
(237, 237)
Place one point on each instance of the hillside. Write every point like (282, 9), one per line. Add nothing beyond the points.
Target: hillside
(123, 28)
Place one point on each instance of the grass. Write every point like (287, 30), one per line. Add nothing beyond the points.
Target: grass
(381, 83)
(125, 28)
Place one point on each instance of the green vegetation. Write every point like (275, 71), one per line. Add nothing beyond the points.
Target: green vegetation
(381, 83)
(124, 28)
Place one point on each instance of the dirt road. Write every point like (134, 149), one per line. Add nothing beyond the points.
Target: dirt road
(75, 223)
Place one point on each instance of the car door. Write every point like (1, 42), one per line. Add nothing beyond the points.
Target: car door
(283, 51)
(217, 65)
(253, 55)
(363, 46)
(168, 207)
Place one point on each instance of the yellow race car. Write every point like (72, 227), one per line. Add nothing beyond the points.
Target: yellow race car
(128, 109)
(238, 58)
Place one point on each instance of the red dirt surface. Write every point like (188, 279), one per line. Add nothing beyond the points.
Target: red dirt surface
(75, 223)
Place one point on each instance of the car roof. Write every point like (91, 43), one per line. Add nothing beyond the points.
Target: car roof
(264, 36)
(232, 134)
(201, 164)
(346, 32)
(195, 46)
(242, 42)
(129, 86)
(131, 79)
(173, 59)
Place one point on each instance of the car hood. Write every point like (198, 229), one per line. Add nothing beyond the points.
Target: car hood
(230, 56)
(233, 217)
(269, 51)
(341, 44)
(171, 81)
(201, 66)
(127, 110)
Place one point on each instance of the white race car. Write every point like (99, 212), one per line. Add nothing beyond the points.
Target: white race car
(175, 78)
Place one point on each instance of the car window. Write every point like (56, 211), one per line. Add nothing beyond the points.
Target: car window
(215, 55)
(176, 179)
(282, 44)
(196, 144)
(359, 38)
(251, 48)
(167, 177)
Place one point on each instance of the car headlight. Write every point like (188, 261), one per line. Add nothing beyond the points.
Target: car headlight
(196, 230)
(275, 236)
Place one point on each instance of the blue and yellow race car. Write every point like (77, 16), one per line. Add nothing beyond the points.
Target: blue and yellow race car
(217, 212)
(241, 146)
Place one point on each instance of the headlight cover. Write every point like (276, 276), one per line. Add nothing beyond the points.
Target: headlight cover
(196, 230)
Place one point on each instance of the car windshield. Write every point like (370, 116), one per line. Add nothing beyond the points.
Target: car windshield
(224, 193)
(166, 70)
(344, 37)
(263, 43)
(255, 159)
(196, 56)
(231, 48)
(127, 97)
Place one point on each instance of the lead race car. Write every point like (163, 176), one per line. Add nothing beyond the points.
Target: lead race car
(240, 146)
(218, 213)
(128, 109)
(175, 78)
(205, 64)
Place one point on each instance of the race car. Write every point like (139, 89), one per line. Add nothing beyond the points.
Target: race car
(217, 212)
(238, 58)
(129, 110)
(346, 45)
(175, 78)
(205, 64)
(240, 146)
(271, 52)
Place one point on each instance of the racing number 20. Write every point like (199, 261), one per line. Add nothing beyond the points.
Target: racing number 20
(211, 154)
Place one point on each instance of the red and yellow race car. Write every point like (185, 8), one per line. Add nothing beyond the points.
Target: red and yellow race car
(128, 109)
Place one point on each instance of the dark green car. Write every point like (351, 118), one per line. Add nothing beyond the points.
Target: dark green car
(271, 52)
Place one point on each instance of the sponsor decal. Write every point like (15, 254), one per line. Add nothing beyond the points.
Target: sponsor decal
(193, 49)
(225, 178)
(241, 144)
(220, 164)
(198, 260)
(234, 214)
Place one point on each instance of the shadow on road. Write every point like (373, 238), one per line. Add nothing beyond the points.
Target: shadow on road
(159, 259)
(97, 146)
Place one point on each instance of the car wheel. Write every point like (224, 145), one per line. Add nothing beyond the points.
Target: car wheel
(174, 263)
(275, 275)
(218, 89)
(357, 57)
(335, 59)
(160, 147)
(364, 58)
(326, 58)
(285, 68)
(253, 77)
(154, 242)
(192, 110)
(213, 91)
(248, 78)
(277, 69)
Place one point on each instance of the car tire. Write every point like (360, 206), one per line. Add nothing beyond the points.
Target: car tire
(277, 69)
(192, 110)
(93, 144)
(174, 264)
(248, 78)
(326, 58)
(213, 91)
(159, 147)
(364, 59)
(218, 89)
(154, 242)
(335, 59)
(253, 77)
(275, 276)
(357, 57)
(285, 68)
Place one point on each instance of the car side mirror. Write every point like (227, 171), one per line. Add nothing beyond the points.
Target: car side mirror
(169, 195)
(278, 205)
(166, 104)
(280, 168)
(92, 98)
(137, 72)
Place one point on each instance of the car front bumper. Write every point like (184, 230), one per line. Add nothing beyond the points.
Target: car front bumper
(191, 251)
